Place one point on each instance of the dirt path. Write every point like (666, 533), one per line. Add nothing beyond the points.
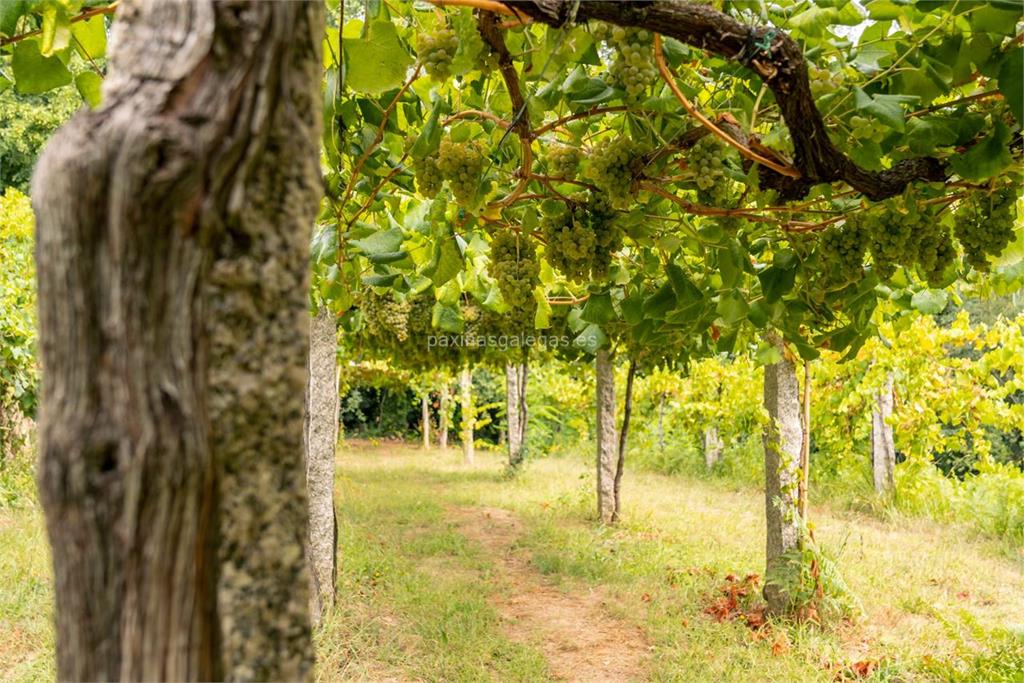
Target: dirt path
(579, 638)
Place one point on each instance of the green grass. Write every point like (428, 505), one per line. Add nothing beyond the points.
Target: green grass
(26, 635)
(417, 600)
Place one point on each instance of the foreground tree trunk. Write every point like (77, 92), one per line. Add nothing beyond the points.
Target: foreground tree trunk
(712, 446)
(321, 439)
(468, 413)
(442, 418)
(627, 412)
(607, 455)
(173, 228)
(782, 445)
(516, 375)
(883, 447)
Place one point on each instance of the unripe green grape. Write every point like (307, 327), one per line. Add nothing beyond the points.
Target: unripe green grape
(614, 165)
(569, 243)
(462, 165)
(513, 264)
(385, 317)
(633, 69)
(563, 161)
(428, 176)
(985, 227)
(436, 51)
(843, 248)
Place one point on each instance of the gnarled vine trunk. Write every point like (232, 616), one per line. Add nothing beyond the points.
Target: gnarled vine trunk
(425, 420)
(620, 464)
(442, 417)
(883, 447)
(173, 229)
(516, 375)
(782, 445)
(607, 451)
(468, 413)
(712, 446)
(322, 403)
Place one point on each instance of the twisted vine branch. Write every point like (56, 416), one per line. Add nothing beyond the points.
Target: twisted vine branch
(778, 60)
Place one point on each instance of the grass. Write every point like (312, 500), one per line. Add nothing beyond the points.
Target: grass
(418, 601)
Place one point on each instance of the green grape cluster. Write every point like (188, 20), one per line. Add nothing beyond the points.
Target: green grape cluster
(607, 235)
(386, 318)
(582, 238)
(985, 228)
(843, 248)
(633, 69)
(908, 235)
(436, 51)
(706, 161)
(428, 176)
(823, 82)
(614, 165)
(514, 265)
(935, 251)
(486, 59)
(462, 165)
(570, 242)
(563, 161)
(862, 128)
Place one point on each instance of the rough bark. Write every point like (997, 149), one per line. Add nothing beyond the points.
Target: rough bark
(172, 241)
(782, 443)
(712, 446)
(516, 375)
(627, 412)
(425, 420)
(883, 448)
(607, 457)
(780, 63)
(321, 439)
(661, 422)
(442, 418)
(468, 414)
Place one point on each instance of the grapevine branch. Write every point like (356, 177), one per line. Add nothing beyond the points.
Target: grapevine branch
(520, 123)
(707, 123)
(81, 16)
(476, 114)
(593, 111)
(778, 60)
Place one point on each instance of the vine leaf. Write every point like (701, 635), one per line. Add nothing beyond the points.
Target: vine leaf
(34, 73)
(378, 62)
(929, 301)
(987, 158)
(1011, 84)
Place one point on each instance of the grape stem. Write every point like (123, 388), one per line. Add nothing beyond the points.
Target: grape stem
(84, 15)
(487, 25)
(476, 114)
